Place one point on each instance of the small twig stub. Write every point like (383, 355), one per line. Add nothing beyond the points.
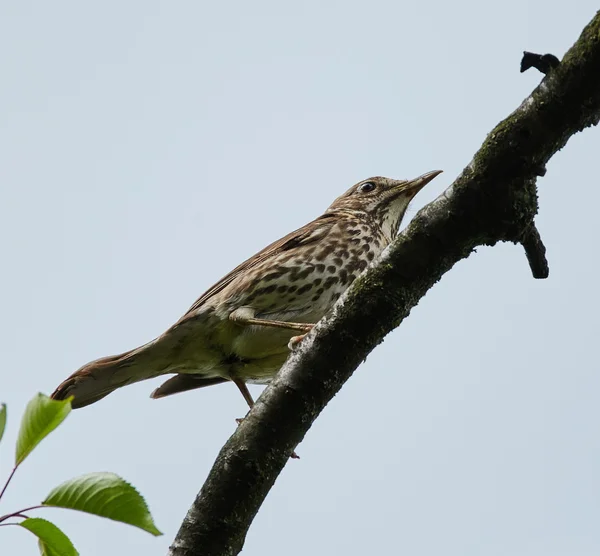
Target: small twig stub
(536, 253)
(541, 62)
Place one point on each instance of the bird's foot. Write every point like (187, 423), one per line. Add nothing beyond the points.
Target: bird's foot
(295, 341)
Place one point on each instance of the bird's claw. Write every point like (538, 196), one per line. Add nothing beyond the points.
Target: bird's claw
(295, 341)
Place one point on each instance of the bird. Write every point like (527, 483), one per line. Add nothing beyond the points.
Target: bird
(241, 329)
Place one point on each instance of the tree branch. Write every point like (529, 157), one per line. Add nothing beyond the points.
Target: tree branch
(536, 252)
(494, 199)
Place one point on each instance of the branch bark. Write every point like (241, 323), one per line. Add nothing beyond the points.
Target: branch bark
(494, 199)
(535, 250)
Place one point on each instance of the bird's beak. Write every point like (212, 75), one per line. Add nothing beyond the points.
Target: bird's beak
(412, 187)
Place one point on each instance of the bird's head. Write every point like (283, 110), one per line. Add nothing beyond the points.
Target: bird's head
(385, 200)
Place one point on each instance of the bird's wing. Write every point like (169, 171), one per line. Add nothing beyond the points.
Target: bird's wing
(312, 232)
(183, 383)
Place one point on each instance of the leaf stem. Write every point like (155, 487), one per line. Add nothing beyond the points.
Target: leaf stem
(18, 513)
(8, 480)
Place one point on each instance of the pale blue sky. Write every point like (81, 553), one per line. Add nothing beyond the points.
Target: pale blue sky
(146, 148)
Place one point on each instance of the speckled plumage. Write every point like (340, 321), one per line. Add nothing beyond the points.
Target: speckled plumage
(294, 280)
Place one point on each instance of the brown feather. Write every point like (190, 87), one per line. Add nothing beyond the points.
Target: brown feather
(301, 236)
(183, 383)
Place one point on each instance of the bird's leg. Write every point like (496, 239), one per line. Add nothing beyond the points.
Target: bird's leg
(248, 397)
(245, 392)
(245, 315)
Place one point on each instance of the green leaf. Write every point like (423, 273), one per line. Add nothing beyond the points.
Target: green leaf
(42, 415)
(52, 541)
(2, 419)
(106, 495)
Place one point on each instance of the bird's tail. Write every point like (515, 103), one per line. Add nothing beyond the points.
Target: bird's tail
(97, 379)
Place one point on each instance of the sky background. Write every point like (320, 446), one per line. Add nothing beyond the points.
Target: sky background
(146, 148)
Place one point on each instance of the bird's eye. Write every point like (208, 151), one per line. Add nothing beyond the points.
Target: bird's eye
(366, 187)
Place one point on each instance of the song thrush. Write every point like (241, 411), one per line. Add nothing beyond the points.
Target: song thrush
(239, 330)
